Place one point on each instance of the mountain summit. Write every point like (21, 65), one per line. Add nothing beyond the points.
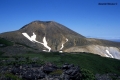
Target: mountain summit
(56, 35)
(52, 36)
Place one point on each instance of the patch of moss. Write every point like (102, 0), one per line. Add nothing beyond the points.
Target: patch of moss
(12, 77)
(87, 75)
(57, 72)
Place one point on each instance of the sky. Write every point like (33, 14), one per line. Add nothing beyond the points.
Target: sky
(85, 17)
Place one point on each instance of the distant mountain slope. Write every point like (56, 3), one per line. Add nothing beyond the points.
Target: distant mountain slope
(115, 40)
(52, 36)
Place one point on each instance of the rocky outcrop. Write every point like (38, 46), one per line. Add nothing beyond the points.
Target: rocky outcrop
(48, 71)
(71, 72)
(109, 76)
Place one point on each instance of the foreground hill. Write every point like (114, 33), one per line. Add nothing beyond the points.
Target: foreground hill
(92, 67)
(51, 36)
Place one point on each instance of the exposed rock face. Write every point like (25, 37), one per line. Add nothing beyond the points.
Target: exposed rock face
(51, 36)
(42, 72)
(71, 72)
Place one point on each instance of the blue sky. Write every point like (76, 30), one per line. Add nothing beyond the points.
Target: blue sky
(83, 16)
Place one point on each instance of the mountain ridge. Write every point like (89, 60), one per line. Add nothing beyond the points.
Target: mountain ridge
(52, 36)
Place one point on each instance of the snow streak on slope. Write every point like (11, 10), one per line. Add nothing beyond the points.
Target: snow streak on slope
(45, 44)
(28, 37)
(63, 44)
(33, 39)
(108, 53)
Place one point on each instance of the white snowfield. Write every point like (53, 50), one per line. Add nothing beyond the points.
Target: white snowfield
(33, 39)
(108, 54)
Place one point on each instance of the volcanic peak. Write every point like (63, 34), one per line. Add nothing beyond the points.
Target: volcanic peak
(38, 22)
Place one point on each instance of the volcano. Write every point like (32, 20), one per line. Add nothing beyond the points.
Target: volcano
(51, 36)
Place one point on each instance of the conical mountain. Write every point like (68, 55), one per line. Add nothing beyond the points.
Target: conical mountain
(55, 33)
(52, 36)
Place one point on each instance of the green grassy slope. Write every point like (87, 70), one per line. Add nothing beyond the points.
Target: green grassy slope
(94, 63)
(5, 42)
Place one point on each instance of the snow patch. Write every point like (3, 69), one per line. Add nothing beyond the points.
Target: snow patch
(61, 51)
(63, 44)
(33, 39)
(28, 37)
(66, 40)
(45, 44)
(108, 54)
(45, 50)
